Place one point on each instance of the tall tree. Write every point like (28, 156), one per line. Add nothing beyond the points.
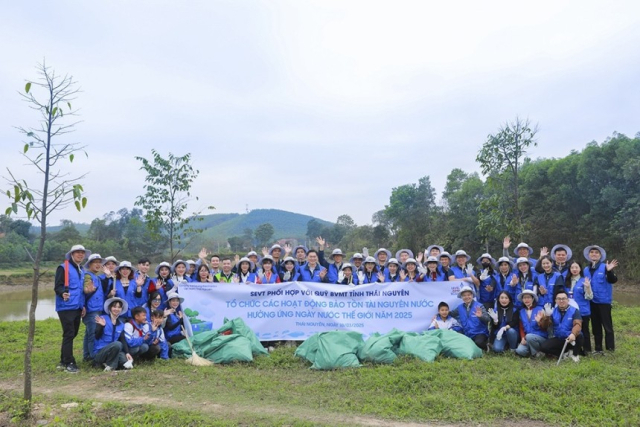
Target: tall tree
(264, 233)
(54, 189)
(501, 158)
(167, 193)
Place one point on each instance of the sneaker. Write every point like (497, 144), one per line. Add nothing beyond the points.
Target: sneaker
(565, 355)
(107, 368)
(539, 354)
(61, 366)
(575, 358)
(270, 349)
(598, 353)
(72, 368)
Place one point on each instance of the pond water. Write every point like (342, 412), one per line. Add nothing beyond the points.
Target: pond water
(17, 303)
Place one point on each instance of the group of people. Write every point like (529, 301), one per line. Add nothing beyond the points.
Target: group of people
(530, 306)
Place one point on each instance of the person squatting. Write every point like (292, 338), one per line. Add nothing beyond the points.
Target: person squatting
(530, 306)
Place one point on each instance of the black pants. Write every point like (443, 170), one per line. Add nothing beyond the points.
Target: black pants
(554, 346)
(601, 319)
(70, 321)
(586, 346)
(481, 341)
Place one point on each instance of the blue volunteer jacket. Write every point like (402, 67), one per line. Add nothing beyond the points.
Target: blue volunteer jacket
(562, 325)
(111, 334)
(471, 324)
(75, 289)
(94, 301)
(529, 324)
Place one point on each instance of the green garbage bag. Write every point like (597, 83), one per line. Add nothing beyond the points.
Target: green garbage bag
(331, 350)
(425, 347)
(237, 326)
(308, 349)
(379, 349)
(457, 345)
(229, 348)
(200, 344)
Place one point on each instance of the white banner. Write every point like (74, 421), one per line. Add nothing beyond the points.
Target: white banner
(297, 310)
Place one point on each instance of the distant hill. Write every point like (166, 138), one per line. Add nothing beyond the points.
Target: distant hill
(81, 227)
(219, 227)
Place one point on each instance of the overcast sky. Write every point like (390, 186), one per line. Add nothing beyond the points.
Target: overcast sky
(316, 107)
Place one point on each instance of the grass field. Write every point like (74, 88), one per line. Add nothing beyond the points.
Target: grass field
(280, 389)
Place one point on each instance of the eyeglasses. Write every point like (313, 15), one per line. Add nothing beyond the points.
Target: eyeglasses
(157, 300)
(561, 299)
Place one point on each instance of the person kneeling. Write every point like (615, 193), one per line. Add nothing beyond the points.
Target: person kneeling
(567, 327)
(136, 331)
(110, 349)
(473, 317)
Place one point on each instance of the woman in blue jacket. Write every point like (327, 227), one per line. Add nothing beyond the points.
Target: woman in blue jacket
(473, 318)
(174, 322)
(433, 274)
(289, 271)
(547, 283)
(521, 280)
(488, 287)
(370, 272)
(111, 349)
(392, 272)
(533, 325)
(129, 289)
(505, 323)
(578, 289)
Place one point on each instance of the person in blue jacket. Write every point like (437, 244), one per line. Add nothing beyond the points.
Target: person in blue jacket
(381, 256)
(521, 251)
(138, 335)
(312, 271)
(178, 277)
(129, 289)
(503, 275)
(244, 274)
(548, 282)
(300, 252)
(521, 280)
(561, 255)
(433, 273)
(267, 274)
(347, 277)
(446, 260)
(111, 350)
(356, 261)
(579, 290)
(443, 320)
(94, 300)
(370, 272)
(505, 321)
(392, 273)
(434, 250)
(463, 272)
(156, 333)
(567, 325)
(533, 325)
(69, 289)
(289, 271)
(174, 322)
(600, 273)
(108, 289)
(488, 287)
(473, 318)
(161, 283)
(333, 268)
(403, 255)
(155, 303)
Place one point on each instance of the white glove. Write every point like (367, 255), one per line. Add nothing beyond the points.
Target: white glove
(361, 276)
(365, 252)
(548, 309)
(340, 276)
(422, 270)
(469, 270)
(287, 275)
(485, 274)
(493, 315)
(500, 333)
(352, 284)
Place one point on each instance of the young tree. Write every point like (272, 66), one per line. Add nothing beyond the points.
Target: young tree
(167, 193)
(501, 158)
(54, 189)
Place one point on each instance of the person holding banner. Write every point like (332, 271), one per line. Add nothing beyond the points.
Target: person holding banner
(445, 264)
(300, 253)
(382, 255)
(433, 272)
(356, 261)
(203, 275)
(333, 268)
(409, 272)
(267, 274)
(403, 255)
(289, 271)
(473, 318)
(244, 274)
(370, 273)
(346, 276)
(226, 274)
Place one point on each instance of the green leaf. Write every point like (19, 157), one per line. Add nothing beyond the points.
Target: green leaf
(14, 207)
(27, 87)
(16, 190)
(30, 134)
(26, 148)
(71, 157)
(55, 110)
(8, 194)
(84, 202)
(8, 211)
(69, 104)
(78, 207)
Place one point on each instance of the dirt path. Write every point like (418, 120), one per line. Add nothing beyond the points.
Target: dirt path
(103, 389)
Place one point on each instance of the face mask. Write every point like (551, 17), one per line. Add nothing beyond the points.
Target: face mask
(486, 264)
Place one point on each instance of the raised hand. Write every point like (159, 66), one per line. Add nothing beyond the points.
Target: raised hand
(419, 258)
(321, 242)
(506, 242)
(539, 316)
(236, 259)
(100, 321)
(469, 270)
(478, 311)
(287, 249)
(484, 276)
(106, 271)
(500, 333)
(140, 280)
(380, 277)
(587, 282)
(209, 278)
(322, 273)
(365, 252)
(235, 279)
(203, 254)
(611, 265)
(548, 309)
(542, 290)
(514, 279)
(265, 251)
(403, 275)
(544, 251)
(493, 315)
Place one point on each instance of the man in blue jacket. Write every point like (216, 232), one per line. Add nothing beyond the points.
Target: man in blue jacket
(602, 278)
(68, 287)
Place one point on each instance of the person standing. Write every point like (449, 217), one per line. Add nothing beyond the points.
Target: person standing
(69, 289)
